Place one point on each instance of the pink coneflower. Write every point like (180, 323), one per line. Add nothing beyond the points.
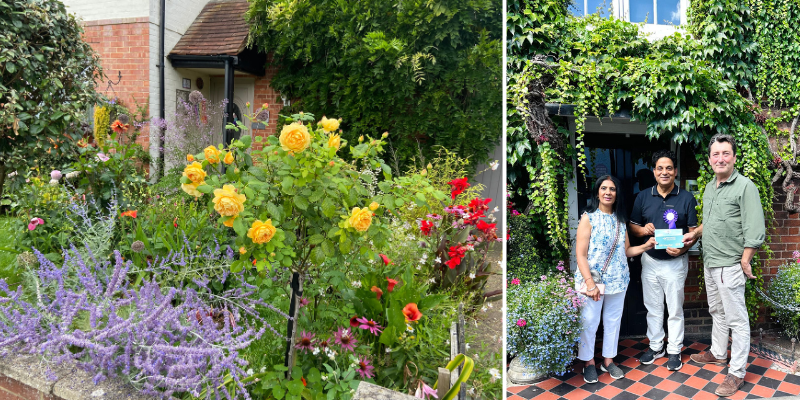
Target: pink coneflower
(303, 302)
(344, 338)
(306, 341)
(324, 344)
(369, 325)
(364, 369)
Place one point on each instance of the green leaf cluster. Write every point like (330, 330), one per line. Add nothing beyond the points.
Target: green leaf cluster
(427, 72)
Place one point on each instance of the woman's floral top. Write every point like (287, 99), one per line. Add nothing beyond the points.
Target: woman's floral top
(617, 275)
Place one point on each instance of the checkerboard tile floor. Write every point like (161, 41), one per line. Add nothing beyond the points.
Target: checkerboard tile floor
(655, 382)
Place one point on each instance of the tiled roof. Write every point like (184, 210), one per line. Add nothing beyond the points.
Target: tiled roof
(219, 29)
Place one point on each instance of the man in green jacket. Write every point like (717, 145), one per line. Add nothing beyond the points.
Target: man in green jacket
(733, 228)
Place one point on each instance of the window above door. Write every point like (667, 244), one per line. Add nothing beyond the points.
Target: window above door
(652, 12)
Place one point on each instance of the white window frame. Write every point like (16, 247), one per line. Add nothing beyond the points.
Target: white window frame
(619, 9)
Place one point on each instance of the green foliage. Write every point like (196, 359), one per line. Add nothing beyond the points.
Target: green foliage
(48, 76)
(426, 72)
(784, 288)
(523, 260)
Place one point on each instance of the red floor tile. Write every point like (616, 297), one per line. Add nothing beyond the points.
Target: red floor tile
(775, 374)
(738, 395)
(630, 352)
(638, 388)
(762, 391)
(752, 378)
(608, 392)
(631, 362)
(576, 380)
(696, 382)
(718, 378)
(762, 362)
(577, 394)
(701, 395)
(673, 396)
(698, 346)
(668, 385)
(660, 361)
(635, 374)
(713, 367)
(547, 396)
(790, 388)
(627, 343)
(606, 378)
(516, 389)
(661, 372)
(548, 384)
(515, 397)
(689, 369)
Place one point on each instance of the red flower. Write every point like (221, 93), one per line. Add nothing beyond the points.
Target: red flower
(486, 227)
(458, 186)
(175, 222)
(453, 262)
(131, 213)
(304, 381)
(473, 218)
(119, 127)
(392, 282)
(386, 260)
(377, 291)
(353, 321)
(457, 251)
(426, 227)
(478, 205)
(412, 312)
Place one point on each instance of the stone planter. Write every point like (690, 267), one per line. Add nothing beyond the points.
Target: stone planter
(520, 374)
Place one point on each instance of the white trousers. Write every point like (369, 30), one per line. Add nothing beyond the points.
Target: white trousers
(664, 279)
(610, 308)
(726, 304)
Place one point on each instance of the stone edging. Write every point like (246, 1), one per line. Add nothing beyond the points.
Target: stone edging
(71, 383)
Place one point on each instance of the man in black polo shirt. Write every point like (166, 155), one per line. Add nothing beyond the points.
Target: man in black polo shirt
(664, 271)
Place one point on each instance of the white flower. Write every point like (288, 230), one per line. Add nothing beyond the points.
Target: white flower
(264, 368)
(409, 328)
(490, 305)
(495, 373)
(484, 308)
(467, 345)
(419, 267)
(496, 209)
(388, 349)
(73, 174)
(13, 174)
(98, 393)
(494, 165)
(249, 371)
(432, 280)
(472, 276)
(331, 354)
(315, 351)
(53, 182)
(356, 284)
(324, 377)
(471, 391)
(438, 260)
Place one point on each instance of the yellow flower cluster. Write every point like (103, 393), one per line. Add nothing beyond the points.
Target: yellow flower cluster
(261, 232)
(295, 137)
(195, 173)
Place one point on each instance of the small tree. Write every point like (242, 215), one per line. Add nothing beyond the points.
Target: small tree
(48, 78)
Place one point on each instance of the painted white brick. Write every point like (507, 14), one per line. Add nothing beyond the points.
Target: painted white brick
(93, 10)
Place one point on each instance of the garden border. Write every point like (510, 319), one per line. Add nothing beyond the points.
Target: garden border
(25, 378)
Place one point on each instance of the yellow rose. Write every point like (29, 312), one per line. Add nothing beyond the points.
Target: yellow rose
(228, 158)
(334, 141)
(230, 221)
(212, 154)
(242, 250)
(374, 206)
(294, 137)
(227, 202)
(189, 157)
(195, 173)
(360, 219)
(261, 232)
(192, 188)
(329, 125)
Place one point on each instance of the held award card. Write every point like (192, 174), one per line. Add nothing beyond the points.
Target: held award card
(669, 238)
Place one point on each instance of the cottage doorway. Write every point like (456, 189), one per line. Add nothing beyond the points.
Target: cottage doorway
(628, 158)
(243, 93)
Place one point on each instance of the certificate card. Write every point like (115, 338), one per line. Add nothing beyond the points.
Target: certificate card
(669, 238)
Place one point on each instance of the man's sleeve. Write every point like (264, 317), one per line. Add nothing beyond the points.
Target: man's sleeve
(636, 213)
(691, 222)
(753, 226)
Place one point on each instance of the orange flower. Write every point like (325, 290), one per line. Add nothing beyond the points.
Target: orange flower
(131, 213)
(377, 291)
(412, 312)
(119, 127)
(392, 282)
(189, 157)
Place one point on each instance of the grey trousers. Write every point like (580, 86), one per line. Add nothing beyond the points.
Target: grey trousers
(726, 304)
(664, 279)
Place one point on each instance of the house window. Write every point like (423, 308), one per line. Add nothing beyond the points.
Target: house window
(657, 12)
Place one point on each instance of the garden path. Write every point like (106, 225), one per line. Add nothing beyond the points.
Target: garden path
(488, 325)
(655, 382)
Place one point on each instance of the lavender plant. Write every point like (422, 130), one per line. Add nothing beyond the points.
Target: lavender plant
(195, 125)
(164, 340)
(544, 321)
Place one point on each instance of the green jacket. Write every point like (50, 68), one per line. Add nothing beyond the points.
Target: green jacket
(732, 220)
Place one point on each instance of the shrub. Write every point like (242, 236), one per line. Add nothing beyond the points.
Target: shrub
(784, 288)
(544, 321)
(523, 260)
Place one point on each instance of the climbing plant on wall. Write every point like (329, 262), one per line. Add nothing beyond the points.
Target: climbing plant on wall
(684, 87)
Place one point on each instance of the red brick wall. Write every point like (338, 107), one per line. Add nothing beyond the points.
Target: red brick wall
(264, 93)
(11, 389)
(785, 238)
(123, 46)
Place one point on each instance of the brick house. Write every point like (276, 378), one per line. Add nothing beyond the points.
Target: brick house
(201, 37)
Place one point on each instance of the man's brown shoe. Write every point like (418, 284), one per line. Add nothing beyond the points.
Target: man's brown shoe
(729, 386)
(708, 358)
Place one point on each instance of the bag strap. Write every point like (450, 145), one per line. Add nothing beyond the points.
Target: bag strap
(613, 248)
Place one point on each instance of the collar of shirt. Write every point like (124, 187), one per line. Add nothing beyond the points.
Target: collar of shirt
(675, 190)
(732, 178)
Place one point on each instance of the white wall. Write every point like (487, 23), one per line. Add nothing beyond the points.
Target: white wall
(179, 16)
(93, 10)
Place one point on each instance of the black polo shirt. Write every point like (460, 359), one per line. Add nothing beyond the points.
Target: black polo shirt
(649, 207)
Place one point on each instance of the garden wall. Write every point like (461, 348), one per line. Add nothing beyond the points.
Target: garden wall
(123, 46)
(264, 93)
(785, 238)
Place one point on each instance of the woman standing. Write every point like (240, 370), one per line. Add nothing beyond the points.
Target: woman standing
(602, 251)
